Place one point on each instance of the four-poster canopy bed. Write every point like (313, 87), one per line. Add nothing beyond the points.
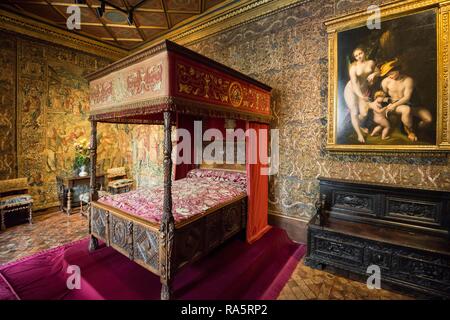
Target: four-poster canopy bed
(165, 227)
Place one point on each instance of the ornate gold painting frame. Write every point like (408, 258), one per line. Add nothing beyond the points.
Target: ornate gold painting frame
(442, 119)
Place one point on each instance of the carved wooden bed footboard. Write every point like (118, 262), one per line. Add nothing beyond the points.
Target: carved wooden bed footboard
(141, 241)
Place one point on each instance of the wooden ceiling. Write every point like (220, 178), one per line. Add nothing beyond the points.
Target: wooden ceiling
(151, 19)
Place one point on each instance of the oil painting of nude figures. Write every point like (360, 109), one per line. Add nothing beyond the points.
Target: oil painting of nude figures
(387, 83)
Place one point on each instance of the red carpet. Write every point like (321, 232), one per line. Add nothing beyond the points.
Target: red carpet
(236, 270)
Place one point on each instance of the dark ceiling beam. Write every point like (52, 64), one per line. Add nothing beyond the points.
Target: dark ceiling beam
(113, 25)
(169, 23)
(27, 2)
(45, 3)
(88, 2)
(202, 6)
(136, 21)
(127, 6)
(112, 5)
(137, 5)
(56, 10)
(14, 5)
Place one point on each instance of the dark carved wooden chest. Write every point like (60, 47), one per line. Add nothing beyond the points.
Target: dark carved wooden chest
(404, 231)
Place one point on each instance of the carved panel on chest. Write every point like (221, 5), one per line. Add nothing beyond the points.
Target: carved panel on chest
(419, 210)
(353, 201)
(425, 269)
(350, 252)
(121, 235)
(378, 255)
(231, 220)
(99, 223)
(189, 242)
(214, 234)
(146, 246)
(422, 211)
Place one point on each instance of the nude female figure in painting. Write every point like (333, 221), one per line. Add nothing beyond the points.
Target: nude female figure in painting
(362, 74)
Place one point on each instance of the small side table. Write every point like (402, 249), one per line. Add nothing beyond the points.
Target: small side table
(70, 187)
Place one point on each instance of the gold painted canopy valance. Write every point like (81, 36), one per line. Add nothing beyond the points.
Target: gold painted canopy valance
(169, 77)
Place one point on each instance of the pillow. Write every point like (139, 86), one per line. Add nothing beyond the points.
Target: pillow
(239, 178)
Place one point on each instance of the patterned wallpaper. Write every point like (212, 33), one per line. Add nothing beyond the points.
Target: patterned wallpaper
(288, 51)
(52, 113)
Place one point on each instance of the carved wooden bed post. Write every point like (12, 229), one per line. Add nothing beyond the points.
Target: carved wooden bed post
(167, 222)
(93, 194)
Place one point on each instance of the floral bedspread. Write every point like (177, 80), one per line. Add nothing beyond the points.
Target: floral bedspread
(200, 191)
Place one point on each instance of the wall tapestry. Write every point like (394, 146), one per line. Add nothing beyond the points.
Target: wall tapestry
(52, 115)
(8, 158)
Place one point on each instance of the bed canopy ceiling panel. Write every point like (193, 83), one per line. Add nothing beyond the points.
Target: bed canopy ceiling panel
(169, 77)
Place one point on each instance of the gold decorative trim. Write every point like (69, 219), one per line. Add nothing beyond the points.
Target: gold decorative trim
(130, 60)
(423, 154)
(235, 87)
(125, 113)
(443, 61)
(39, 30)
(212, 110)
(391, 11)
(331, 85)
(138, 108)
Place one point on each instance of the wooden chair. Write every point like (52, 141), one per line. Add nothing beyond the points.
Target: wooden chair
(14, 198)
(118, 181)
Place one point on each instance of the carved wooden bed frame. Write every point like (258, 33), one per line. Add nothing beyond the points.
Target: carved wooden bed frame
(150, 87)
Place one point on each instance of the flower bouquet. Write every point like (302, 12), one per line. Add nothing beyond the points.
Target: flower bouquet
(82, 158)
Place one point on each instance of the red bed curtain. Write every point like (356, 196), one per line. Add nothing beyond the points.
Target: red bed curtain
(185, 122)
(257, 184)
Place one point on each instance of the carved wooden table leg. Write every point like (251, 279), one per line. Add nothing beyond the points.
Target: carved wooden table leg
(88, 210)
(30, 215)
(93, 243)
(84, 209)
(69, 201)
(2, 226)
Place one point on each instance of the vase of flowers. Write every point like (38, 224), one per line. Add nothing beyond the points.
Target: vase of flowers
(81, 157)
(83, 172)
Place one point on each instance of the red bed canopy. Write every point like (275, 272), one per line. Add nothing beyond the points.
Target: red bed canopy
(169, 77)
